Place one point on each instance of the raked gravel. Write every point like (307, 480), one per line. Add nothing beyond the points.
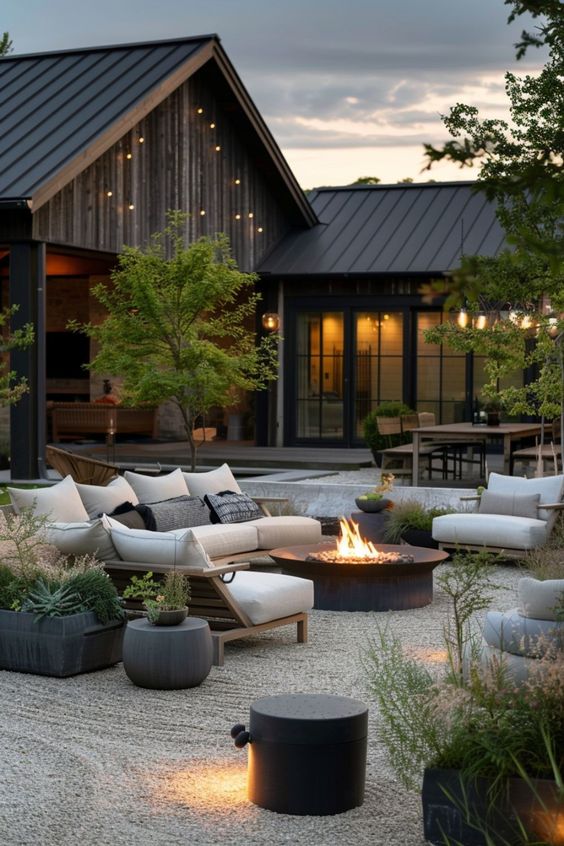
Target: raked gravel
(94, 760)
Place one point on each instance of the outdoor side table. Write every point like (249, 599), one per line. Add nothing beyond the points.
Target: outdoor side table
(167, 657)
(372, 526)
(307, 753)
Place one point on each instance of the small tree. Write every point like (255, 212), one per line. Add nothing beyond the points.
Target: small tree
(177, 328)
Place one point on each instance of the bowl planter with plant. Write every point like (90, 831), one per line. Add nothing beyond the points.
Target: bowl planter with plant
(372, 437)
(58, 617)
(412, 522)
(488, 752)
(376, 500)
(166, 601)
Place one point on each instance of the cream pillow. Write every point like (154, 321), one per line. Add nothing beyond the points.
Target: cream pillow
(60, 502)
(157, 488)
(177, 548)
(549, 488)
(89, 538)
(540, 600)
(102, 499)
(212, 482)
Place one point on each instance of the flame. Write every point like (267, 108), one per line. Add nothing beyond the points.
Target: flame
(350, 544)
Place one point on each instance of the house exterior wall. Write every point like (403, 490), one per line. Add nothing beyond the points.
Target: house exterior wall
(177, 166)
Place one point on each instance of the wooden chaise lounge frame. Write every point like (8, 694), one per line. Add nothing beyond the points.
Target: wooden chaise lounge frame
(212, 600)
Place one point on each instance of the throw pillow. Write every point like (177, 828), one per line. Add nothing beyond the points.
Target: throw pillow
(101, 499)
(88, 538)
(157, 488)
(130, 515)
(160, 549)
(182, 512)
(550, 488)
(513, 505)
(212, 482)
(540, 600)
(60, 502)
(230, 507)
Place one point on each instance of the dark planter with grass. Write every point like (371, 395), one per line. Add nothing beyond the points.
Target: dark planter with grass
(420, 537)
(457, 812)
(58, 646)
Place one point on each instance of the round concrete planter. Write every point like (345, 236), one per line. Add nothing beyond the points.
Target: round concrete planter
(372, 506)
(171, 618)
(167, 657)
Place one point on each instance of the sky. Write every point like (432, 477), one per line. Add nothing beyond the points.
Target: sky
(348, 88)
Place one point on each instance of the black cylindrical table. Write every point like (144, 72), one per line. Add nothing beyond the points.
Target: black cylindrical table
(167, 657)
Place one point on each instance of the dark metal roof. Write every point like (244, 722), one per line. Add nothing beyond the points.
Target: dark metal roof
(390, 229)
(53, 105)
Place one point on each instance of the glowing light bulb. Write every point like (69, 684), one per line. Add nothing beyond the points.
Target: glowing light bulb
(463, 318)
(259, 229)
(212, 125)
(141, 140)
(131, 206)
(237, 182)
(217, 148)
(237, 217)
(109, 193)
(200, 111)
(481, 321)
(129, 155)
(202, 212)
(251, 215)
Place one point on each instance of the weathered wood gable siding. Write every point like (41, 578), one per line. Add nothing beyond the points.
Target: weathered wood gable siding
(176, 167)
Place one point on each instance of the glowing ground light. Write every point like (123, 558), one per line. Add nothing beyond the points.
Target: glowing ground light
(207, 787)
(548, 825)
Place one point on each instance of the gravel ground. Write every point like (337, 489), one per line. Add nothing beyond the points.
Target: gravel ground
(94, 760)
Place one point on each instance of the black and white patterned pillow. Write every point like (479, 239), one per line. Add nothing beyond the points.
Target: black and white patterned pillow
(181, 512)
(230, 507)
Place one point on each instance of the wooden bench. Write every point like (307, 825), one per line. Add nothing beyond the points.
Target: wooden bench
(74, 420)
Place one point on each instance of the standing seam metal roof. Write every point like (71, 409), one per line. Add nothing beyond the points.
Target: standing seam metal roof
(403, 228)
(53, 105)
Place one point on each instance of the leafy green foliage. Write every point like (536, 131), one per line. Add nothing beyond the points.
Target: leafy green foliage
(12, 589)
(170, 594)
(372, 437)
(96, 592)
(410, 514)
(12, 387)
(142, 587)
(181, 328)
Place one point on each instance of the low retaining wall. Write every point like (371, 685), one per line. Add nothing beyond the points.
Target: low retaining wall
(337, 500)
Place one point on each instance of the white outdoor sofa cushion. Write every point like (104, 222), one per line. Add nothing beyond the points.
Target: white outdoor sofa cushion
(270, 596)
(497, 530)
(273, 532)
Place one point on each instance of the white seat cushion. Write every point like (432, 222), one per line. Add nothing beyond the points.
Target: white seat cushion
(270, 596)
(222, 539)
(178, 547)
(497, 530)
(286, 531)
(157, 488)
(103, 499)
(89, 538)
(60, 502)
(212, 482)
(511, 632)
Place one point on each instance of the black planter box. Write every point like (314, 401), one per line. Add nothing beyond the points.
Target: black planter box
(58, 646)
(461, 814)
(420, 537)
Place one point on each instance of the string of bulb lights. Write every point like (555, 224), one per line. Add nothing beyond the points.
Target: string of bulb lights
(202, 213)
(524, 317)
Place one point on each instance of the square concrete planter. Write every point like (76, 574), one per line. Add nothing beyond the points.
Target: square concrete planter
(58, 646)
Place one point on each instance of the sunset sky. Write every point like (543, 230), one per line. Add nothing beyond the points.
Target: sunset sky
(348, 88)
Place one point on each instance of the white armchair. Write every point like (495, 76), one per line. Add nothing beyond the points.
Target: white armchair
(514, 515)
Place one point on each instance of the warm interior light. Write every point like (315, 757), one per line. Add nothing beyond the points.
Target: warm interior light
(463, 318)
(386, 317)
(481, 321)
(271, 321)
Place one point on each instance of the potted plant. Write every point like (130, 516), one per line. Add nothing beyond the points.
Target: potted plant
(58, 617)
(411, 522)
(492, 407)
(373, 439)
(490, 750)
(375, 500)
(166, 601)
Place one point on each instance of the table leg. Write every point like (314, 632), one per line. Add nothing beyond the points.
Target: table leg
(415, 462)
(507, 454)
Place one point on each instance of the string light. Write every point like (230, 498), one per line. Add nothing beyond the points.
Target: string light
(251, 215)
(237, 181)
(129, 155)
(212, 125)
(237, 217)
(130, 206)
(202, 212)
(217, 148)
(200, 111)
(141, 140)
(259, 229)
(463, 318)
(109, 192)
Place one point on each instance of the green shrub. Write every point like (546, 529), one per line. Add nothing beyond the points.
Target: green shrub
(96, 592)
(375, 441)
(12, 589)
(411, 515)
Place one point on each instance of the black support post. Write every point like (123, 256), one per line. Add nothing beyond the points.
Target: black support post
(27, 419)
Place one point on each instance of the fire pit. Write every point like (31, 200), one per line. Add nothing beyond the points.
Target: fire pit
(353, 575)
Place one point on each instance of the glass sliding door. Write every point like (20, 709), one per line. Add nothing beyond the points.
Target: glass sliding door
(320, 375)
(377, 362)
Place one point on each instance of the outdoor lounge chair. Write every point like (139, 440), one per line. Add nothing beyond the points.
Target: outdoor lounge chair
(236, 604)
(514, 516)
(85, 471)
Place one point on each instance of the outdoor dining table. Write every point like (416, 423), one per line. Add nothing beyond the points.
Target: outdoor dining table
(452, 432)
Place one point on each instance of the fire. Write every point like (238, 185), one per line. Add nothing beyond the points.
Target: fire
(350, 544)
(351, 548)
